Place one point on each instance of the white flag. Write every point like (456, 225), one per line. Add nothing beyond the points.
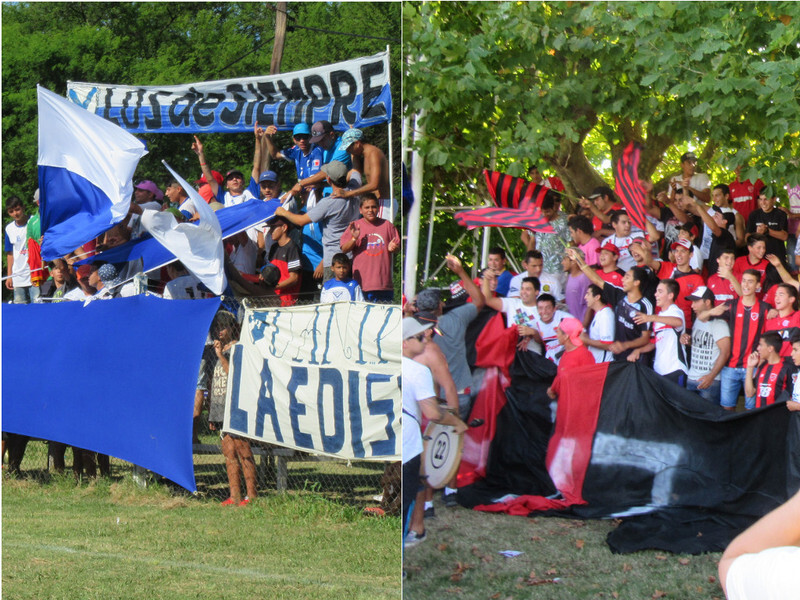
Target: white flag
(198, 246)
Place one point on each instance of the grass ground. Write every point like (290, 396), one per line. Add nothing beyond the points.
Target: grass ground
(563, 559)
(111, 539)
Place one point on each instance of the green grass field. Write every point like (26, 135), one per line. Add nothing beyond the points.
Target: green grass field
(112, 539)
(563, 559)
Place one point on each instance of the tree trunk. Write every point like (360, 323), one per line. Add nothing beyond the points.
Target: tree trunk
(574, 169)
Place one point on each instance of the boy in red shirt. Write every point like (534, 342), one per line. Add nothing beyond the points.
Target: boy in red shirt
(767, 374)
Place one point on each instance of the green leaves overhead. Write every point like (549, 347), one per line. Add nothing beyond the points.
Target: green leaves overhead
(535, 78)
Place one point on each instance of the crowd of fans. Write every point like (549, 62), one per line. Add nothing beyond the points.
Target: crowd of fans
(706, 296)
(331, 239)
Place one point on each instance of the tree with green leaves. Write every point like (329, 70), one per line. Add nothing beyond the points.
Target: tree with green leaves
(567, 85)
(152, 43)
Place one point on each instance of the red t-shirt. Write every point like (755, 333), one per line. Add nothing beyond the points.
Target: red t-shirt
(372, 262)
(744, 196)
(782, 325)
(741, 265)
(613, 277)
(579, 357)
(722, 288)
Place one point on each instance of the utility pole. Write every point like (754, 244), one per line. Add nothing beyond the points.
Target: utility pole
(280, 36)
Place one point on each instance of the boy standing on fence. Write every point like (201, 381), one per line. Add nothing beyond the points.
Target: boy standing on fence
(342, 287)
(236, 450)
(372, 241)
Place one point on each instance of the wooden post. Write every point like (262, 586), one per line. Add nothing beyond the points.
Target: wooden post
(280, 36)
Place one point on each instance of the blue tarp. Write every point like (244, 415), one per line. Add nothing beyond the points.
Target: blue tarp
(232, 220)
(115, 376)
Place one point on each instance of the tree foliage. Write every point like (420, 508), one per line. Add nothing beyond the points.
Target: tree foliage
(535, 79)
(568, 84)
(151, 43)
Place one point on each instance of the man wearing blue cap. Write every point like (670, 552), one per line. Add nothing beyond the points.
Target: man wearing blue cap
(371, 162)
(307, 159)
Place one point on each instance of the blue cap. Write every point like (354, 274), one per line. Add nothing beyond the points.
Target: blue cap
(350, 136)
(268, 176)
(301, 129)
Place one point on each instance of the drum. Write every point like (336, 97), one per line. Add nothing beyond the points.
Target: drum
(441, 454)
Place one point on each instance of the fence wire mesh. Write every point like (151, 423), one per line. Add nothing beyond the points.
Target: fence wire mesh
(277, 469)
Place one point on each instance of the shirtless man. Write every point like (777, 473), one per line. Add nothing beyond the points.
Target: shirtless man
(373, 165)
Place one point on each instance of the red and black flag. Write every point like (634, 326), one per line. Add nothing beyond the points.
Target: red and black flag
(512, 192)
(627, 443)
(518, 205)
(520, 218)
(628, 188)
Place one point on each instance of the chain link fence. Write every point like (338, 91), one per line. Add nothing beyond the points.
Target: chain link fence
(278, 469)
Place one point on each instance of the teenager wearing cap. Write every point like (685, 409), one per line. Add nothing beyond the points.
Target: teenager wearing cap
(696, 185)
(681, 271)
(419, 398)
(602, 203)
(307, 159)
(335, 214)
(324, 137)
(710, 343)
(236, 192)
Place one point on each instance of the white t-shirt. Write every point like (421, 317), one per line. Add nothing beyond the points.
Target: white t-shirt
(244, 257)
(417, 386)
(185, 287)
(76, 294)
(519, 314)
(698, 181)
(552, 349)
(17, 244)
(768, 575)
(553, 285)
(231, 200)
(705, 335)
(667, 343)
(602, 330)
(625, 260)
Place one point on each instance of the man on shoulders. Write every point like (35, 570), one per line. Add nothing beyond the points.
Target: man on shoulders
(323, 136)
(696, 185)
(770, 222)
(371, 162)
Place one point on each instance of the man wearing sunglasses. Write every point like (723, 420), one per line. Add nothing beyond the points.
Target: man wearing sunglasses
(325, 138)
(307, 159)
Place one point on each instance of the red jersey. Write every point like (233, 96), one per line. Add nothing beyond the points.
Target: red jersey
(784, 325)
(744, 196)
(722, 288)
(770, 381)
(612, 277)
(687, 282)
(746, 325)
(741, 265)
(598, 224)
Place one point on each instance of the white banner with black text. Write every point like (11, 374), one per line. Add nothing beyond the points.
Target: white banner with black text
(323, 379)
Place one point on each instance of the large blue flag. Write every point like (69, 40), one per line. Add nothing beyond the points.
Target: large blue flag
(86, 167)
(116, 398)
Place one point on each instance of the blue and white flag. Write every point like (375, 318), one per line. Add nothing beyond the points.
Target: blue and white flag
(197, 245)
(86, 167)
